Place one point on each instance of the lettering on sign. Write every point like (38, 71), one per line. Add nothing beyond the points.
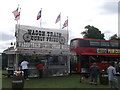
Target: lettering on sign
(37, 35)
(34, 45)
(108, 51)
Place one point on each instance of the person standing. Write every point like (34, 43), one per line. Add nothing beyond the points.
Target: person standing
(112, 78)
(94, 71)
(24, 65)
(40, 69)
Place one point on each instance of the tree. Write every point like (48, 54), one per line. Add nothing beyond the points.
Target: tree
(92, 33)
(114, 37)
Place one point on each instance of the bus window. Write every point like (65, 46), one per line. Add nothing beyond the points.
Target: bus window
(95, 43)
(84, 43)
(114, 44)
(105, 44)
(74, 44)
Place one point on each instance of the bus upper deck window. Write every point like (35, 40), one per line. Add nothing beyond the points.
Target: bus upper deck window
(114, 44)
(74, 44)
(94, 43)
(105, 44)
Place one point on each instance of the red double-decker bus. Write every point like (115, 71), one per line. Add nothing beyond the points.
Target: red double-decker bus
(89, 51)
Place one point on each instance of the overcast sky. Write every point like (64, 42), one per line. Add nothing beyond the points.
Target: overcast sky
(103, 14)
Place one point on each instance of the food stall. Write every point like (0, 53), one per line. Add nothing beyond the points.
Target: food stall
(40, 44)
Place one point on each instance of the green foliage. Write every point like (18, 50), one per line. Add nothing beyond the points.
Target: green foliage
(92, 33)
(114, 37)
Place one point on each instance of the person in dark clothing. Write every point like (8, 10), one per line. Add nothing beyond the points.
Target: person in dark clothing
(40, 69)
(94, 71)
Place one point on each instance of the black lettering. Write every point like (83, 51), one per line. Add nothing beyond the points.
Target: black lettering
(29, 31)
(43, 33)
(46, 39)
(48, 34)
(39, 33)
(51, 34)
(31, 37)
(43, 39)
(56, 34)
(59, 35)
(33, 32)
(36, 32)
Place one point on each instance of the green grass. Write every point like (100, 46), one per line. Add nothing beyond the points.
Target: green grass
(54, 82)
(72, 81)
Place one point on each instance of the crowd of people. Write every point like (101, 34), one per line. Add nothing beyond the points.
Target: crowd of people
(23, 69)
(111, 71)
(94, 70)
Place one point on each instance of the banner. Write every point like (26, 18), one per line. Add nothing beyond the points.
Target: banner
(108, 51)
(34, 36)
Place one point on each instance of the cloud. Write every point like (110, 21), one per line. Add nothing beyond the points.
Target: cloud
(5, 37)
(107, 32)
(5, 44)
(109, 7)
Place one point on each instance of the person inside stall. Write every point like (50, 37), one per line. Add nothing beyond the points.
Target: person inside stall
(40, 69)
(36, 60)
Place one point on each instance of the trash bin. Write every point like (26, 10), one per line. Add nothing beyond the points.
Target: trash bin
(104, 79)
(18, 81)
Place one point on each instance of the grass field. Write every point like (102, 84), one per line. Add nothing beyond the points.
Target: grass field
(53, 82)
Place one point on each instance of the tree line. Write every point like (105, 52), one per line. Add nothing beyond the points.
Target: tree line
(92, 32)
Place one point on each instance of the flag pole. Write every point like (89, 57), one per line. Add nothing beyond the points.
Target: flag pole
(60, 20)
(67, 32)
(19, 24)
(60, 28)
(41, 19)
(17, 40)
